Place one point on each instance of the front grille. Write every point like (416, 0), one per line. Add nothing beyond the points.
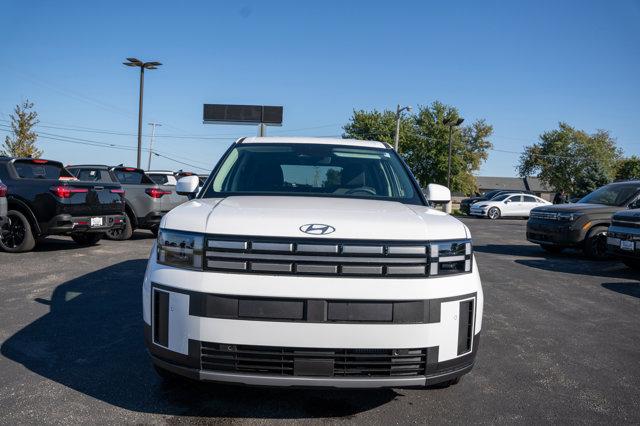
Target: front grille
(282, 361)
(543, 215)
(323, 257)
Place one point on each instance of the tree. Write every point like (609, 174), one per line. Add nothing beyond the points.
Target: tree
(628, 168)
(571, 160)
(22, 143)
(424, 142)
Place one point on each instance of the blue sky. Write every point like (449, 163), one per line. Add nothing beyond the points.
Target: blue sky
(523, 66)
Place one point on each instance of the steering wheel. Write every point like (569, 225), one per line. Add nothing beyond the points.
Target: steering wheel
(365, 189)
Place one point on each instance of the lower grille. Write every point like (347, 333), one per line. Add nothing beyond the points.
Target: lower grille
(282, 361)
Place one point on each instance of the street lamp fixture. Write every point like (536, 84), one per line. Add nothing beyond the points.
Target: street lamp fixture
(451, 122)
(399, 111)
(134, 62)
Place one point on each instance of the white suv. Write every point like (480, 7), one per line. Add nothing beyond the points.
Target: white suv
(312, 262)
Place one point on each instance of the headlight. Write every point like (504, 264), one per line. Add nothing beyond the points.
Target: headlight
(568, 216)
(180, 249)
(450, 257)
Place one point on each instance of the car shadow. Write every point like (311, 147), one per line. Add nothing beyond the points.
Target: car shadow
(630, 289)
(92, 341)
(568, 261)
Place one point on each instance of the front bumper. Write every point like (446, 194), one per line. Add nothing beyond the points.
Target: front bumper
(553, 232)
(478, 211)
(320, 331)
(67, 224)
(616, 236)
(151, 220)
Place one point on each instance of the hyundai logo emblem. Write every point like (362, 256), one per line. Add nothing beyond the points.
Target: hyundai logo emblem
(317, 229)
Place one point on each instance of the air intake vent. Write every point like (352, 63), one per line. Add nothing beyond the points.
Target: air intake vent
(465, 331)
(283, 361)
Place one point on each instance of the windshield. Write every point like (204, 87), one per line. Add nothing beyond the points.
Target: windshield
(612, 195)
(313, 170)
(501, 197)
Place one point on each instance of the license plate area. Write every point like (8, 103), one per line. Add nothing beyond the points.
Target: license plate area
(626, 245)
(96, 221)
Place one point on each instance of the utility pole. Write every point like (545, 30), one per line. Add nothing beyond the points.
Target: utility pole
(399, 111)
(134, 62)
(153, 135)
(451, 123)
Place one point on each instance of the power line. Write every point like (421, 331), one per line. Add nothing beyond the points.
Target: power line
(97, 144)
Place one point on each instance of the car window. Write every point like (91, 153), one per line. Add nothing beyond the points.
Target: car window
(612, 195)
(314, 170)
(530, 199)
(500, 197)
(159, 178)
(129, 175)
(515, 198)
(38, 169)
(92, 175)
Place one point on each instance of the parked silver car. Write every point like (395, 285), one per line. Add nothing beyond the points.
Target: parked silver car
(146, 201)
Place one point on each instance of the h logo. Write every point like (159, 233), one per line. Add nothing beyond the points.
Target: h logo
(317, 229)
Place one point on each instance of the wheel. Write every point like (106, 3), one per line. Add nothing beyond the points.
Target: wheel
(86, 238)
(17, 236)
(493, 213)
(633, 264)
(121, 234)
(551, 249)
(595, 245)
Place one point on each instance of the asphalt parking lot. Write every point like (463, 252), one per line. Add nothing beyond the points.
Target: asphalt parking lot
(560, 343)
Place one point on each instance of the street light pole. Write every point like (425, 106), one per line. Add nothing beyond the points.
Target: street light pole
(140, 117)
(153, 135)
(398, 117)
(451, 123)
(134, 62)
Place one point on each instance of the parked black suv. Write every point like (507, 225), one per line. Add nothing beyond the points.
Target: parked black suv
(623, 239)
(465, 204)
(583, 224)
(45, 199)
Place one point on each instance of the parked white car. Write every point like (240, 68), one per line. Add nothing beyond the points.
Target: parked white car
(312, 262)
(162, 177)
(507, 205)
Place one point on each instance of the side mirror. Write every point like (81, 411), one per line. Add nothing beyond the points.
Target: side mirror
(187, 185)
(437, 194)
(635, 204)
(507, 201)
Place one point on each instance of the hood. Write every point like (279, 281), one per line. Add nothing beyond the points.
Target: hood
(283, 216)
(628, 215)
(471, 200)
(578, 208)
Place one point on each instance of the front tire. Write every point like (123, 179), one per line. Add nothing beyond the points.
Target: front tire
(633, 264)
(595, 245)
(17, 236)
(86, 239)
(121, 234)
(493, 213)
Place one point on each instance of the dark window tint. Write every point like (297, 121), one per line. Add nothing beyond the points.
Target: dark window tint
(92, 175)
(160, 179)
(516, 199)
(131, 177)
(30, 170)
(529, 199)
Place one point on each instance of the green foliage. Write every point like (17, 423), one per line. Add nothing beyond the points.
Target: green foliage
(424, 142)
(571, 160)
(628, 168)
(22, 143)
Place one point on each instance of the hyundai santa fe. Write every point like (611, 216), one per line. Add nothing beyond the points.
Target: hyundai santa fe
(316, 263)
